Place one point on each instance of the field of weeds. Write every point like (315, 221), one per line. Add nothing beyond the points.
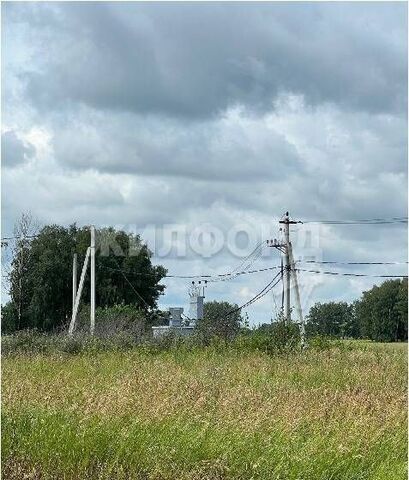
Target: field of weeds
(206, 414)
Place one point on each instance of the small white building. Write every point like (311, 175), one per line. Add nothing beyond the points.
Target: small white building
(176, 324)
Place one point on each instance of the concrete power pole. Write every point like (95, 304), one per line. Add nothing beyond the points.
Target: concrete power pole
(289, 272)
(287, 304)
(298, 300)
(78, 295)
(287, 265)
(92, 328)
(74, 279)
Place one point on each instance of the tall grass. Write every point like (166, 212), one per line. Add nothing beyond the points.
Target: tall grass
(206, 413)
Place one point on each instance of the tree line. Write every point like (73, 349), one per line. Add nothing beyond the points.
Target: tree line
(40, 288)
(381, 314)
(40, 275)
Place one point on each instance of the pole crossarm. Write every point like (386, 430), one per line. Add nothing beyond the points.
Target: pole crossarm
(274, 243)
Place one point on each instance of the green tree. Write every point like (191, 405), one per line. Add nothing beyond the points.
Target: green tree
(335, 319)
(381, 312)
(220, 319)
(124, 273)
(9, 318)
(17, 273)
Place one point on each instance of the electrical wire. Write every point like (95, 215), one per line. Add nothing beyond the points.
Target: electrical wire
(249, 272)
(368, 221)
(352, 263)
(350, 274)
(257, 248)
(187, 277)
(251, 259)
(133, 288)
(259, 295)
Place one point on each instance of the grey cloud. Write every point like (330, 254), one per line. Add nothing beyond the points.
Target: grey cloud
(322, 164)
(197, 60)
(223, 149)
(14, 151)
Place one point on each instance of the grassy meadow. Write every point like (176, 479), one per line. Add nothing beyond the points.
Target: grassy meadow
(208, 413)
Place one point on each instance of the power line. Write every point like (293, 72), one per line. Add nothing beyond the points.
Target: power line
(367, 221)
(259, 295)
(249, 272)
(187, 277)
(350, 274)
(251, 259)
(255, 252)
(133, 288)
(243, 272)
(352, 263)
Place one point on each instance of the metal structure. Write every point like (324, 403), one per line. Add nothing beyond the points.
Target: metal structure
(196, 295)
(175, 319)
(176, 325)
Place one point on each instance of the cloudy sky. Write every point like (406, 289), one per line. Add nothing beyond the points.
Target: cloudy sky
(213, 117)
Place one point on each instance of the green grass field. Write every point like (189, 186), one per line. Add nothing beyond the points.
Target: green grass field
(207, 414)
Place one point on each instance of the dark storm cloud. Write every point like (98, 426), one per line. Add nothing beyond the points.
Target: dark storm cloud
(13, 150)
(197, 60)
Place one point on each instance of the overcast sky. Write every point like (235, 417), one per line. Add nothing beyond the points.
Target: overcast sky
(213, 114)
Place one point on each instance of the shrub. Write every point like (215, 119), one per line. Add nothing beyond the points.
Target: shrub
(71, 345)
(276, 338)
(26, 341)
(110, 321)
(320, 342)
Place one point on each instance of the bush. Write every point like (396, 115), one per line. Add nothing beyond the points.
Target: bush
(111, 321)
(72, 345)
(320, 342)
(272, 339)
(32, 342)
(221, 320)
(26, 341)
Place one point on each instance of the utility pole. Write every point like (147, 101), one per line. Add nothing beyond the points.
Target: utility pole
(74, 279)
(287, 251)
(274, 243)
(298, 300)
(287, 285)
(78, 295)
(287, 304)
(92, 329)
(282, 291)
